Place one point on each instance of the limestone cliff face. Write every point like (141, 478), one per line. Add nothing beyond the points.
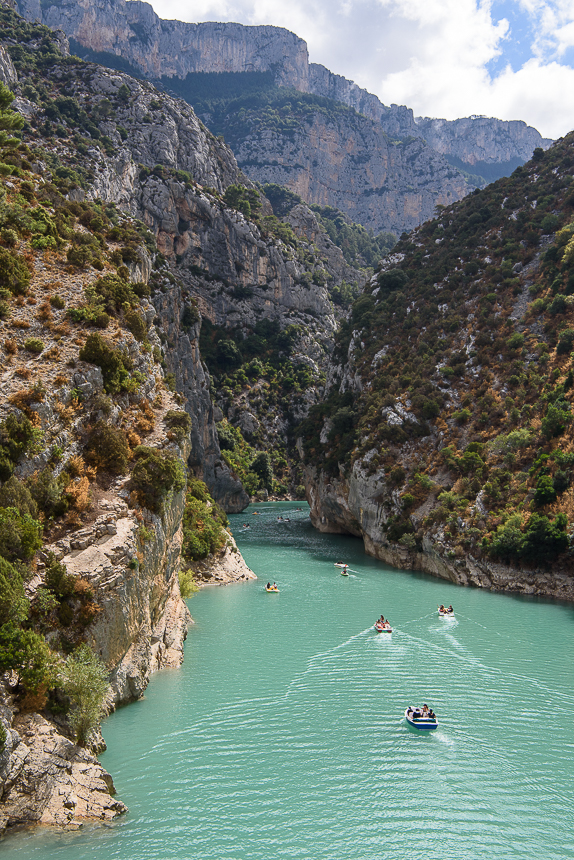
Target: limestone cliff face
(174, 48)
(480, 138)
(471, 139)
(348, 161)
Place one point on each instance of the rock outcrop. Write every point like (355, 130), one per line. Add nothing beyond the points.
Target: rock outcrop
(46, 779)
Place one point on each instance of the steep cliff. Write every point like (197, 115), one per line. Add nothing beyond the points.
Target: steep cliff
(333, 156)
(475, 143)
(159, 48)
(93, 439)
(445, 441)
(181, 53)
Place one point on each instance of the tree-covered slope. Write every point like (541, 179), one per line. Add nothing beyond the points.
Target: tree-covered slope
(452, 405)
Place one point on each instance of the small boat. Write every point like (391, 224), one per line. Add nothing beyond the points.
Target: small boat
(344, 571)
(383, 627)
(445, 613)
(341, 564)
(416, 718)
(272, 589)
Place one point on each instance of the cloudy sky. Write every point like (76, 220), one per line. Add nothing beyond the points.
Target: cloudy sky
(513, 59)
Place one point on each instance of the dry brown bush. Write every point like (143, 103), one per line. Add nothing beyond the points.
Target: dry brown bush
(23, 372)
(82, 586)
(133, 439)
(60, 379)
(23, 324)
(45, 313)
(10, 346)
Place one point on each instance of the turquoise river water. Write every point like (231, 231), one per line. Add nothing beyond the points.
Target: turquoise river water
(282, 736)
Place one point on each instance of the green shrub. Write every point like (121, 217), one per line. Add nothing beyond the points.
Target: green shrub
(394, 279)
(26, 653)
(137, 325)
(462, 416)
(85, 680)
(57, 302)
(14, 273)
(187, 585)
(14, 605)
(566, 342)
(20, 535)
(112, 362)
(203, 523)
(57, 579)
(154, 476)
(545, 538)
(114, 292)
(545, 492)
(48, 492)
(92, 314)
(34, 344)
(14, 494)
(179, 424)
(509, 540)
(261, 465)
(16, 434)
(108, 448)
(557, 417)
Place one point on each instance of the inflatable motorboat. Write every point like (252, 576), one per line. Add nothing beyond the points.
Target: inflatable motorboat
(419, 719)
(445, 613)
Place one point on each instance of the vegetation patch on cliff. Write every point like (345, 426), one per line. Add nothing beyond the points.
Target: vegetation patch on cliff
(462, 342)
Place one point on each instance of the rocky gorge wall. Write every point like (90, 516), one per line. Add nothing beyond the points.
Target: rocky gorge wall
(385, 184)
(159, 48)
(173, 48)
(362, 504)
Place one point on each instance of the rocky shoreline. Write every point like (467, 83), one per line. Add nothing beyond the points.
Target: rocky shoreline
(338, 508)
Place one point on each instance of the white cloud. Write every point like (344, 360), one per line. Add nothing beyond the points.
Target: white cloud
(431, 55)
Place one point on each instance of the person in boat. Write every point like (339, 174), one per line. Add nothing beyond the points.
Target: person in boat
(275, 585)
(450, 609)
(425, 710)
(431, 714)
(268, 585)
(441, 608)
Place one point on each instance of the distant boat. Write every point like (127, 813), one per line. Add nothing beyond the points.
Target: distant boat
(272, 589)
(416, 718)
(445, 613)
(383, 627)
(341, 564)
(344, 571)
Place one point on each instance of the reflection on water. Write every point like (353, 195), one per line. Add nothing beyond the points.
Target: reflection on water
(283, 735)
